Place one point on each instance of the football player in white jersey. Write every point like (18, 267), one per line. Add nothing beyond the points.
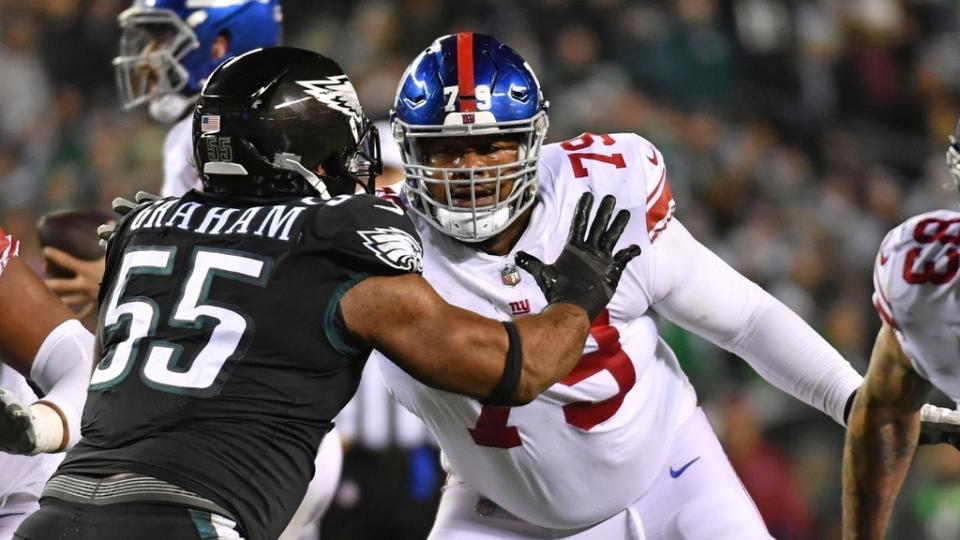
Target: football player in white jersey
(39, 339)
(918, 299)
(620, 441)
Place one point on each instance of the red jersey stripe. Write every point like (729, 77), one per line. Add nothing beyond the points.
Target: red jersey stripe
(660, 212)
(883, 314)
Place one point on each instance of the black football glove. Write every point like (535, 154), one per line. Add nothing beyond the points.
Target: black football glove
(586, 273)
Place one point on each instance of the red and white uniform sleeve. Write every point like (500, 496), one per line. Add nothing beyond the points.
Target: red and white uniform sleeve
(660, 204)
(697, 290)
(179, 174)
(9, 248)
(916, 294)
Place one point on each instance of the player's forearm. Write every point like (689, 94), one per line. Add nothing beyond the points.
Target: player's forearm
(473, 359)
(552, 346)
(879, 446)
(705, 295)
(792, 356)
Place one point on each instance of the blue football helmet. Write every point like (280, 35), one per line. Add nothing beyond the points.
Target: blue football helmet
(165, 46)
(467, 85)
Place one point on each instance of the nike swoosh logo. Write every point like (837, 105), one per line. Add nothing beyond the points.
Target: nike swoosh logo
(654, 160)
(676, 473)
(884, 258)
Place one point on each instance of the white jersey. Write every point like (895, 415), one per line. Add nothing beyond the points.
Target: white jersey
(916, 293)
(591, 444)
(22, 474)
(179, 174)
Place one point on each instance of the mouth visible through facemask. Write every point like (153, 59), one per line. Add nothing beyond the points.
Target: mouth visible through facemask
(478, 195)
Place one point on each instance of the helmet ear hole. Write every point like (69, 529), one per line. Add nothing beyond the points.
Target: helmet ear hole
(220, 45)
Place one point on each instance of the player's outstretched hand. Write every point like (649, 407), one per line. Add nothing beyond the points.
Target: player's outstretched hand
(587, 272)
(18, 433)
(939, 425)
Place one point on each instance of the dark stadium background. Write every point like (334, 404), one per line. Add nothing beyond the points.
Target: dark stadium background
(796, 133)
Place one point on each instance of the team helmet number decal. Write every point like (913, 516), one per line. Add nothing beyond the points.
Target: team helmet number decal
(219, 149)
(481, 93)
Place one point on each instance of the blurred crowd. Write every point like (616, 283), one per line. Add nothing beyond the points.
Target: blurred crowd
(795, 133)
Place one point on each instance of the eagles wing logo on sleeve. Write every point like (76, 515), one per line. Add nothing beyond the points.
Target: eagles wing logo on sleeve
(337, 93)
(394, 247)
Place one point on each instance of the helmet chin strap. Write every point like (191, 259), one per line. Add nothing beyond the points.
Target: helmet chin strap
(463, 226)
(170, 108)
(290, 162)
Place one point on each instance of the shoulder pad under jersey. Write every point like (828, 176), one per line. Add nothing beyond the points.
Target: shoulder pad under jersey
(370, 234)
(624, 165)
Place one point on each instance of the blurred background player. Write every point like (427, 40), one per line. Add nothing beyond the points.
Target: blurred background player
(918, 299)
(40, 341)
(168, 48)
(621, 441)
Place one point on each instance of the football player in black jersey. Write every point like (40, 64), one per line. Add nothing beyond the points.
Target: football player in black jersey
(234, 323)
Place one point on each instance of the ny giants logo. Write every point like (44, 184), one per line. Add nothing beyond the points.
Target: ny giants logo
(520, 307)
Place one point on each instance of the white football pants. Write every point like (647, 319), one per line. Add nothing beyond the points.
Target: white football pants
(697, 496)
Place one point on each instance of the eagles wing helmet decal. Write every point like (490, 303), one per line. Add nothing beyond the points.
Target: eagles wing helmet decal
(394, 247)
(337, 93)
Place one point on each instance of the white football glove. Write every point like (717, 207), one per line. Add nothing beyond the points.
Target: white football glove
(939, 425)
(18, 429)
(123, 207)
(28, 429)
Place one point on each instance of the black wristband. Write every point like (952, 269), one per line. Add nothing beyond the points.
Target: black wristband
(502, 394)
(848, 406)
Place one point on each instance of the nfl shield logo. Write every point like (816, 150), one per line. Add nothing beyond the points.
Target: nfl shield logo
(510, 275)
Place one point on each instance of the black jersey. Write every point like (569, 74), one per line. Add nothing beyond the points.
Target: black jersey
(221, 366)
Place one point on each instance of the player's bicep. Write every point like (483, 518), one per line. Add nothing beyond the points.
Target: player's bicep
(891, 379)
(28, 311)
(404, 318)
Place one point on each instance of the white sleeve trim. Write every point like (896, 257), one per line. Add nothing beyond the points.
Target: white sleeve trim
(62, 370)
(697, 290)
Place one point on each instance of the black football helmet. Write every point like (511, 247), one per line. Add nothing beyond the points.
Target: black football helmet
(281, 121)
